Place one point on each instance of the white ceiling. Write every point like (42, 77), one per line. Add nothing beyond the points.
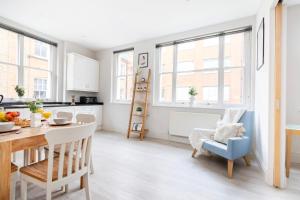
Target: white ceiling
(99, 24)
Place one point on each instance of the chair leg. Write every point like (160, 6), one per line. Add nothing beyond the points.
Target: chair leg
(48, 194)
(247, 160)
(91, 166)
(86, 186)
(194, 153)
(229, 168)
(23, 190)
(67, 188)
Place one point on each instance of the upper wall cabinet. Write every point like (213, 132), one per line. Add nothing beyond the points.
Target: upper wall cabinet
(82, 73)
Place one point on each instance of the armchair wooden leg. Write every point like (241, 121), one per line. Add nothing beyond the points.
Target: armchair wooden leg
(229, 168)
(247, 160)
(194, 153)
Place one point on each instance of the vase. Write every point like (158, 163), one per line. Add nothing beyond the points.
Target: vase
(192, 101)
(35, 120)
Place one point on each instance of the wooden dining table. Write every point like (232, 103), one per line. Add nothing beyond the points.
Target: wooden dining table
(28, 138)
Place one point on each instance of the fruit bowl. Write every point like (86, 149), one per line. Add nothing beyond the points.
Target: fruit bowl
(6, 126)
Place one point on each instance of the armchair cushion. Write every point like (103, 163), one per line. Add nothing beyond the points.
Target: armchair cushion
(223, 133)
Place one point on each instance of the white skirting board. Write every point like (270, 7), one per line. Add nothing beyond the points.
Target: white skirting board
(183, 123)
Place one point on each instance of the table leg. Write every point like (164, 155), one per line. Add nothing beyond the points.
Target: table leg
(5, 163)
(288, 154)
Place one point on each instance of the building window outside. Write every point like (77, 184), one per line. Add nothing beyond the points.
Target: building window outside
(123, 76)
(216, 67)
(40, 49)
(40, 88)
(17, 70)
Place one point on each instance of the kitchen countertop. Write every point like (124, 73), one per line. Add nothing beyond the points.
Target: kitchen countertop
(9, 105)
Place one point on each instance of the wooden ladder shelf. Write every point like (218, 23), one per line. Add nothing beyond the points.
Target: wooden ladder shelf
(141, 102)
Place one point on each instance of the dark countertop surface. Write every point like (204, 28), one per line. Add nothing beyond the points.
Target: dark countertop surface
(9, 105)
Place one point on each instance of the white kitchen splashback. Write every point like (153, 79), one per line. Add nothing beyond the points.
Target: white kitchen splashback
(183, 123)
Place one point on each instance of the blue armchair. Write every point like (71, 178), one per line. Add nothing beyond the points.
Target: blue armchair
(237, 147)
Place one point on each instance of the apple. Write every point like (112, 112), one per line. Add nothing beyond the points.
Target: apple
(9, 117)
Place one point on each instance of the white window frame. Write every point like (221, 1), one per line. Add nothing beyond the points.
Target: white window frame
(246, 98)
(116, 76)
(21, 66)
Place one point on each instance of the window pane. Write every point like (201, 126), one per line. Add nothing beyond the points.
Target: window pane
(125, 63)
(121, 88)
(8, 46)
(33, 83)
(36, 53)
(166, 59)
(234, 53)
(233, 85)
(8, 80)
(199, 80)
(165, 90)
(197, 55)
(129, 87)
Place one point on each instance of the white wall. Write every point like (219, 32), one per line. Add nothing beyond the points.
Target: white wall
(293, 72)
(116, 116)
(264, 96)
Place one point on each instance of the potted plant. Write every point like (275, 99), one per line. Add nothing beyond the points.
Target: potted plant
(139, 110)
(20, 91)
(35, 116)
(192, 92)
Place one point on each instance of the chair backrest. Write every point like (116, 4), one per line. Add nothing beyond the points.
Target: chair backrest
(85, 118)
(247, 119)
(67, 115)
(78, 140)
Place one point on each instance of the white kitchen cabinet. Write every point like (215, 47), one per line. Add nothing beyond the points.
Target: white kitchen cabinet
(82, 73)
(93, 109)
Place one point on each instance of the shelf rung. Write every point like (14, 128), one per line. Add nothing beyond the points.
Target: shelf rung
(139, 115)
(139, 131)
(142, 82)
(142, 91)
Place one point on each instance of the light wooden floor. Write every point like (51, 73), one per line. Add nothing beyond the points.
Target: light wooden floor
(152, 170)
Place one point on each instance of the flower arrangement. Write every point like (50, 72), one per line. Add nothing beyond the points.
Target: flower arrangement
(34, 106)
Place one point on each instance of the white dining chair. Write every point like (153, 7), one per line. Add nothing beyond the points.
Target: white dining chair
(60, 114)
(58, 171)
(83, 119)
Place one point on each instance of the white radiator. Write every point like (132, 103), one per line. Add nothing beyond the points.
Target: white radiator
(183, 123)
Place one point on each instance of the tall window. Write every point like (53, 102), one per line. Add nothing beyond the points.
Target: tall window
(123, 76)
(23, 61)
(217, 67)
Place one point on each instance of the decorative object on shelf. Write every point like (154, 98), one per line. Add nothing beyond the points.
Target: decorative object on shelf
(260, 39)
(1, 98)
(20, 91)
(137, 126)
(73, 100)
(192, 92)
(35, 116)
(139, 110)
(139, 105)
(143, 79)
(143, 60)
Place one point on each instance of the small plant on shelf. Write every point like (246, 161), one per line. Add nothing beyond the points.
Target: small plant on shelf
(20, 91)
